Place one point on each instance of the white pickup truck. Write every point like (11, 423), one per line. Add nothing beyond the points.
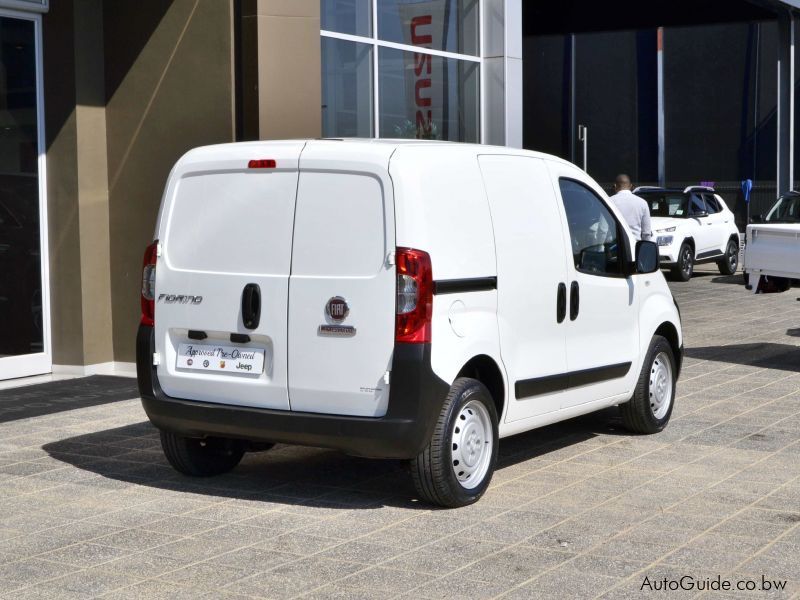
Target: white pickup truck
(772, 248)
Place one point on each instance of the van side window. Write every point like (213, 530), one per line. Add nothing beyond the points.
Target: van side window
(593, 229)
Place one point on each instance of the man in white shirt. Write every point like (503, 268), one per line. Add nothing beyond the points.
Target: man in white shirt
(633, 208)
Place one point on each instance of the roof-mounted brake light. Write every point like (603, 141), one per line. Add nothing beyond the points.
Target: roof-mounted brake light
(262, 163)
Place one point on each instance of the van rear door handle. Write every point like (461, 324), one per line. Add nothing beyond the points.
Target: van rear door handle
(561, 302)
(251, 305)
(574, 300)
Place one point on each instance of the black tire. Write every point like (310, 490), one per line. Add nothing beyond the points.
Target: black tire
(729, 264)
(638, 413)
(201, 457)
(433, 470)
(683, 269)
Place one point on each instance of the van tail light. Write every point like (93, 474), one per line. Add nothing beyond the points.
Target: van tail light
(149, 284)
(414, 297)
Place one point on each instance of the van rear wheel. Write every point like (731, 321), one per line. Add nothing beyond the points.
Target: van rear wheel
(201, 457)
(650, 408)
(457, 465)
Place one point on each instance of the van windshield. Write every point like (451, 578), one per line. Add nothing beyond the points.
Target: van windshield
(665, 204)
(786, 210)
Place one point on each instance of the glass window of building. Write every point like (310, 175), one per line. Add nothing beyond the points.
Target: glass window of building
(347, 16)
(449, 25)
(401, 68)
(347, 92)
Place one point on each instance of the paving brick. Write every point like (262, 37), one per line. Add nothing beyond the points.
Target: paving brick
(578, 509)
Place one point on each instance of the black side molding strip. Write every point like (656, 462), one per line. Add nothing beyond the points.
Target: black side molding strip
(528, 388)
(711, 254)
(473, 284)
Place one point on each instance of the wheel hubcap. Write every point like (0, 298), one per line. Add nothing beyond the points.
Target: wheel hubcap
(660, 385)
(687, 261)
(471, 441)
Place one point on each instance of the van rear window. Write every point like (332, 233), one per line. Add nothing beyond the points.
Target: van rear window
(233, 223)
(340, 226)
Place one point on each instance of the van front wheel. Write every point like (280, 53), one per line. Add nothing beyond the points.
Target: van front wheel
(201, 457)
(650, 408)
(457, 465)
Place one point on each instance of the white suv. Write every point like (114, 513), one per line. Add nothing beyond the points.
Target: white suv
(692, 226)
(408, 300)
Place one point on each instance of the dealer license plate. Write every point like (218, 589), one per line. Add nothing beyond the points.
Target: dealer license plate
(229, 359)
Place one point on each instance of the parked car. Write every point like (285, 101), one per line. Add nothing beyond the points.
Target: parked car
(692, 226)
(407, 300)
(772, 248)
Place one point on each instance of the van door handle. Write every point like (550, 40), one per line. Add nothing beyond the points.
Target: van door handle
(561, 302)
(574, 300)
(251, 305)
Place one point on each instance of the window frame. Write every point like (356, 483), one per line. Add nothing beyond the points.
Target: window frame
(622, 237)
(377, 43)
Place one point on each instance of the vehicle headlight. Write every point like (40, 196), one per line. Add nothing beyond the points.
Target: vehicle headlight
(664, 240)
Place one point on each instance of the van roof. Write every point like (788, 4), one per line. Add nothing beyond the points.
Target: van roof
(384, 143)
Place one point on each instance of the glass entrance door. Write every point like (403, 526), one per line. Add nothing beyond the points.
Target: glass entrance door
(24, 317)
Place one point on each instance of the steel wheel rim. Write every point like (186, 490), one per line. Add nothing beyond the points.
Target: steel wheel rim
(660, 388)
(471, 443)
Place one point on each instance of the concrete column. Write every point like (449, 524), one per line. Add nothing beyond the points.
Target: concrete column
(502, 76)
(80, 280)
(92, 164)
(785, 150)
(281, 69)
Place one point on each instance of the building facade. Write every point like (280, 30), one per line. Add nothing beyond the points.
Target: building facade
(99, 98)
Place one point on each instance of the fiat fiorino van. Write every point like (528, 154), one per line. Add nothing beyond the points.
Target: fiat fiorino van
(394, 299)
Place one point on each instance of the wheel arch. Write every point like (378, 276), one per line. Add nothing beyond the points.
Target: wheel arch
(487, 371)
(690, 240)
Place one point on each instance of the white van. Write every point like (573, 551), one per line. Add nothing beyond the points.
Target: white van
(408, 300)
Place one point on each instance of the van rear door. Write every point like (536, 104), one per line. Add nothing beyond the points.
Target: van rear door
(342, 286)
(226, 239)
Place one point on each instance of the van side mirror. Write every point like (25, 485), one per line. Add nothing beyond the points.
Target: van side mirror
(647, 259)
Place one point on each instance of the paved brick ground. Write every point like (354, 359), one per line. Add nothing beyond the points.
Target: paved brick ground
(88, 506)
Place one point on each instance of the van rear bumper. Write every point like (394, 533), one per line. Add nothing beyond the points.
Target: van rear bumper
(415, 400)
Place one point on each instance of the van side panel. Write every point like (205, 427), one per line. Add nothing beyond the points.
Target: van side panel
(441, 208)
(531, 265)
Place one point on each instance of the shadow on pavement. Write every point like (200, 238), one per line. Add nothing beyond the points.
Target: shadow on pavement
(297, 475)
(737, 279)
(767, 355)
(58, 396)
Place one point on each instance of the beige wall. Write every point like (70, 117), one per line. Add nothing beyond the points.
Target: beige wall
(129, 88)
(282, 38)
(174, 94)
(76, 183)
